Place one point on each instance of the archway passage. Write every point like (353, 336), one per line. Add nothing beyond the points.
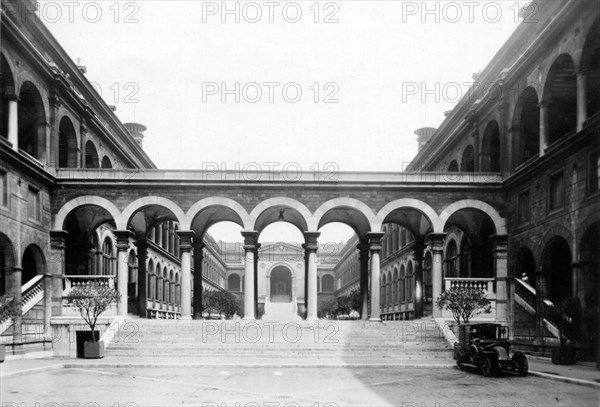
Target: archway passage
(526, 127)
(91, 156)
(556, 266)
(281, 284)
(234, 283)
(67, 144)
(32, 122)
(561, 94)
(490, 148)
(525, 267)
(33, 263)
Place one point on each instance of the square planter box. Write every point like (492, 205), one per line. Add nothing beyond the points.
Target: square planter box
(93, 350)
(82, 337)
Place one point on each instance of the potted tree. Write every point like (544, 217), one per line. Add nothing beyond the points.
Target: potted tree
(464, 303)
(9, 308)
(91, 300)
(565, 315)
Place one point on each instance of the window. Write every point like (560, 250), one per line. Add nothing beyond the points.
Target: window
(523, 208)
(594, 171)
(556, 199)
(34, 205)
(3, 189)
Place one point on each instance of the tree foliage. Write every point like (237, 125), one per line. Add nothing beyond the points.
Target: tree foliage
(9, 308)
(464, 303)
(91, 300)
(222, 301)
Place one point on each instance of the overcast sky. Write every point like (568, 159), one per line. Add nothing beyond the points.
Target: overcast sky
(371, 59)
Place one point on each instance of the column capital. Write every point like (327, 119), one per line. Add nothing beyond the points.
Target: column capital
(12, 97)
(123, 237)
(186, 238)
(363, 248)
(58, 239)
(310, 239)
(436, 241)
(250, 239)
(375, 241)
(543, 104)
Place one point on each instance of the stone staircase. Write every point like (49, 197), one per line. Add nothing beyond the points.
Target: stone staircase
(181, 342)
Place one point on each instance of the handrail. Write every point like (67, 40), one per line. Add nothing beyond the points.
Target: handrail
(31, 283)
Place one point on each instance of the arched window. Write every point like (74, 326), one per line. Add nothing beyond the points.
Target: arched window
(453, 167)
(402, 284)
(67, 144)
(409, 281)
(32, 122)
(450, 260)
(526, 127)
(395, 287)
(150, 281)
(158, 283)
(327, 283)
(132, 271)
(91, 155)
(383, 291)
(107, 258)
(467, 164)
(427, 279)
(560, 93)
(490, 148)
(106, 163)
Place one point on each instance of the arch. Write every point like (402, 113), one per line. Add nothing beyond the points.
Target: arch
(91, 155)
(557, 230)
(526, 127)
(241, 216)
(269, 210)
(556, 264)
(7, 92)
(92, 200)
(498, 221)
(525, 266)
(281, 289)
(344, 210)
(106, 162)
(32, 121)
(67, 144)
(490, 148)
(327, 283)
(427, 211)
(148, 201)
(33, 263)
(467, 163)
(590, 66)
(560, 92)
(453, 166)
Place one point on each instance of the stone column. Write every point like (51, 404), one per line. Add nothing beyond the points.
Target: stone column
(13, 121)
(544, 129)
(363, 258)
(311, 246)
(305, 279)
(47, 301)
(501, 276)
(375, 248)
(250, 240)
(436, 242)
(185, 247)
(256, 247)
(198, 283)
(143, 280)
(58, 246)
(123, 237)
(13, 289)
(418, 272)
(582, 79)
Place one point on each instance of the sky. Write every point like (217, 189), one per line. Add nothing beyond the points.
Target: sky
(305, 85)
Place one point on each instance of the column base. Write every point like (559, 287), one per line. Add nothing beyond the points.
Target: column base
(186, 318)
(374, 319)
(249, 319)
(311, 319)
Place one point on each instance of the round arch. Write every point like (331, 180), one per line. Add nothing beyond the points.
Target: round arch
(91, 155)
(453, 166)
(427, 211)
(467, 162)
(344, 210)
(33, 262)
(526, 127)
(141, 203)
(498, 221)
(106, 162)
(269, 211)
(490, 148)
(238, 214)
(32, 121)
(87, 200)
(67, 144)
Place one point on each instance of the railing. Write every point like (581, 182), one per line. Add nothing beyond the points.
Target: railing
(31, 293)
(526, 296)
(77, 280)
(485, 284)
(159, 310)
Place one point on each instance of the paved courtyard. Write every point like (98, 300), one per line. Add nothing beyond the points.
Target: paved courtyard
(250, 386)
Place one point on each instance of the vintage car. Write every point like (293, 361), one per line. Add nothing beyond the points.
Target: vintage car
(485, 346)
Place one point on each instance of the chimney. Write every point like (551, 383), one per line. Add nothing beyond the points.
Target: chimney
(424, 135)
(137, 132)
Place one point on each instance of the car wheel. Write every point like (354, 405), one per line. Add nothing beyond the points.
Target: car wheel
(522, 363)
(486, 366)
